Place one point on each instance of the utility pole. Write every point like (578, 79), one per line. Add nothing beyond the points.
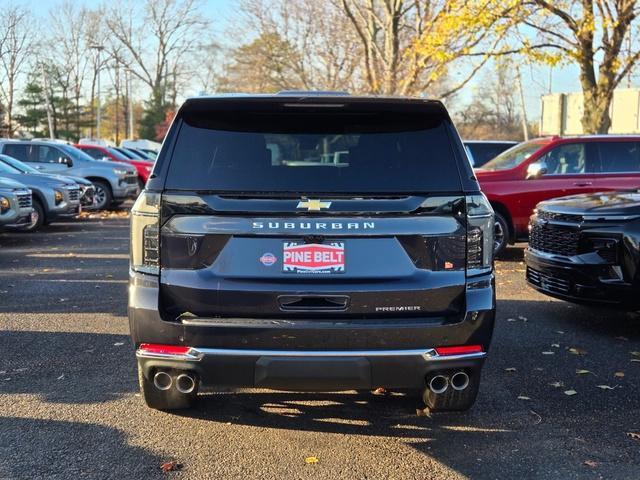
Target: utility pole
(45, 79)
(99, 49)
(525, 129)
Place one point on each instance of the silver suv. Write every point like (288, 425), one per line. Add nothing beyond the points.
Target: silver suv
(114, 182)
(15, 204)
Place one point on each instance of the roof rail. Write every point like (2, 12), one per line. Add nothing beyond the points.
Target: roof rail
(314, 93)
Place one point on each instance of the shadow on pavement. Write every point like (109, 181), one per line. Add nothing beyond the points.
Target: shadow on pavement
(63, 367)
(56, 449)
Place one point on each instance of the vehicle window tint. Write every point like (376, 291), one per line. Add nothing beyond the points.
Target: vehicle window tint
(569, 159)
(93, 152)
(483, 152)
(20, 152)
(47, 154)
(619, 157)
(320, 153)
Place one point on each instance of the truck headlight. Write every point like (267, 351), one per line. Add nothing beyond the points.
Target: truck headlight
(5, 205)
(121, 172)
(58, 197)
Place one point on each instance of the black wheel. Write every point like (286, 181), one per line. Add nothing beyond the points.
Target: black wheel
(452, 400)
(169, 399)
(38, 217)
(103, 196)
(501, 235)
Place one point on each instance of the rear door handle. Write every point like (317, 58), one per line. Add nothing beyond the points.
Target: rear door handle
(583, 184)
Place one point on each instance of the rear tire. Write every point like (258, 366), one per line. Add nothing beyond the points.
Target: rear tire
(103, 196)
(40, 217)
(453, 400)
(502, 236)
(170, 399)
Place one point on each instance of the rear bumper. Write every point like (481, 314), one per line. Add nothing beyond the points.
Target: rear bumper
(311, 370)
(310, 354)
(588, 283)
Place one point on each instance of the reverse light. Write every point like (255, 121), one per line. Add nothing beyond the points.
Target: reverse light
(5, 205)
(58, 197)
(459, 350)
(480, 234)
(145, 233)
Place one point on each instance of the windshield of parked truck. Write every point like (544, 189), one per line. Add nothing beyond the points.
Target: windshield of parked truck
(513, 157)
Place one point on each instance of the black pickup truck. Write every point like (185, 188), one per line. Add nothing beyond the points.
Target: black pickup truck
(311, 242)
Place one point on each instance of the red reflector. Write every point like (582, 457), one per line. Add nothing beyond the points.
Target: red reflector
(459, 349)
(166, 349)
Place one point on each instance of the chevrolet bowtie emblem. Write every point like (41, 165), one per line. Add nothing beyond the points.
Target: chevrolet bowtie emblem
(313, 205)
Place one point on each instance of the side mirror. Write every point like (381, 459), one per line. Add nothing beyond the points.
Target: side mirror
(65, 161)
(536, 170)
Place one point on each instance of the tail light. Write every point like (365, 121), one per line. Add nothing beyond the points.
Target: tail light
(145, 233)
(480, 233)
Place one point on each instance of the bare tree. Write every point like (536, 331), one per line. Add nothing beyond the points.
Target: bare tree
(17, 44)
(159, 41)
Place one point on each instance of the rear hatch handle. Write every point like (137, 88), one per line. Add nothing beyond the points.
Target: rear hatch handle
(306, 303)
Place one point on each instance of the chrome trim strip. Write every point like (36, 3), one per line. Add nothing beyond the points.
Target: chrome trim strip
(196, 354)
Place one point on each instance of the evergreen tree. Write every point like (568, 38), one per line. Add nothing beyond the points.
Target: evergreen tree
(34, 113)
(155, 112)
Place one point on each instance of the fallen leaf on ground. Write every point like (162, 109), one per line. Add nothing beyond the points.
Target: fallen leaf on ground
(634, 435)
(311, 460)
(171, 466)
(61, 377)
(619, 374)
(635, 359)
(422, 412)
(577, 351)
(511, 319)
(560, 332)
(522, 397)
(624, 339)
(555, 345)
(548, 353)
(591, 463)
(510, 369)
(524, 319)
(605, 387)
(379, 391)
(557, 384)
(118, 344)
(582, 372)
(570, 392)
(635, 354)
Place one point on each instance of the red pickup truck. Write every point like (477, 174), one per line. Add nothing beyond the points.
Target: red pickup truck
(544, 168)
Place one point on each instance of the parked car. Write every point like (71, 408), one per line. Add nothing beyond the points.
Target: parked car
(130, 154)
(86, 187)
(15, 204)
(143, 167)
(149, 147)
(586, 249)
(545, 168)
(141, 153)
(113, 182)
(52, 198)
(481, 151)
(300, 274)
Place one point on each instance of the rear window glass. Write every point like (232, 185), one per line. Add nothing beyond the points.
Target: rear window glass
(314, 152)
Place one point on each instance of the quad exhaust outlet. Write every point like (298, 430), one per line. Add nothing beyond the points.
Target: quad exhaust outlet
(184, 382)
(440, 383)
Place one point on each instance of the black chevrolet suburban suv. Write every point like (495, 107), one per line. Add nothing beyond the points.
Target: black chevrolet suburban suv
(311, 242)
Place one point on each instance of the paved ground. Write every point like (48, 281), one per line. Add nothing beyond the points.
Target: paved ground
(69, 406)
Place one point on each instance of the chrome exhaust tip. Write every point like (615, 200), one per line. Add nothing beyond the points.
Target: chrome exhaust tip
(162, 380)
(459, 381)
(185, 383)
(439, 384)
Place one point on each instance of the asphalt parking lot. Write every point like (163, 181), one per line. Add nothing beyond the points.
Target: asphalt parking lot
(69, 406)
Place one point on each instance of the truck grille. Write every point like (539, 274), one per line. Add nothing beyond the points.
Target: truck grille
(559, 217)
(547, 282)
(24, 200)
(131, 179)
(74, 195)
(558, 240)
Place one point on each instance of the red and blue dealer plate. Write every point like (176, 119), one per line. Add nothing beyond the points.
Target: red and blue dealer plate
(313, 257)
